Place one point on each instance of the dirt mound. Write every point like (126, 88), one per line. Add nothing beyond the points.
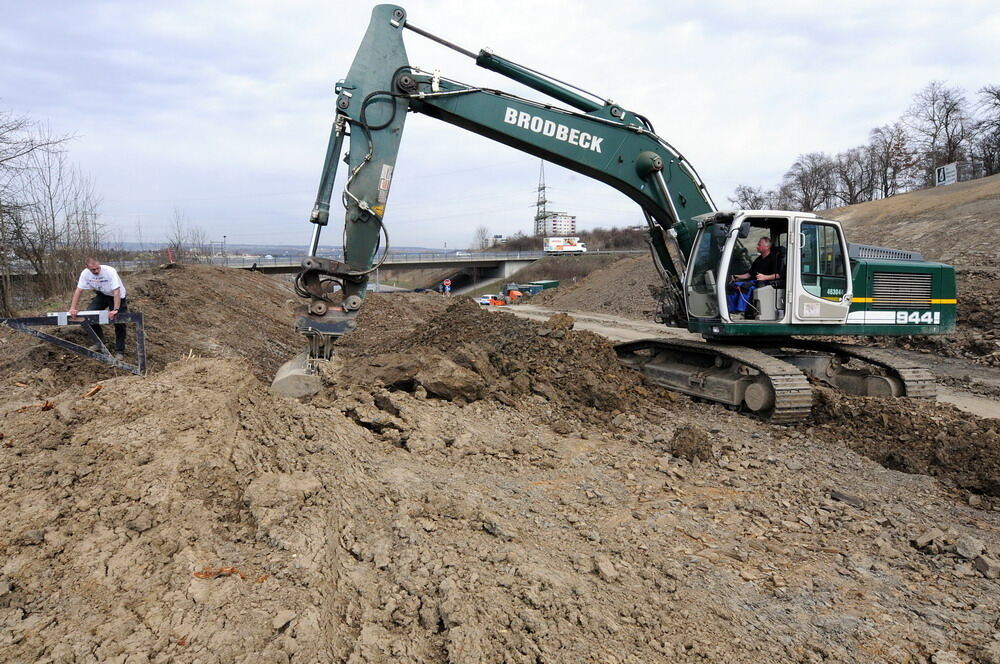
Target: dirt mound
(916, 437)
(126, 498)
(958, 224)
(188, 310)
(385, 318)
(575, 372)
(621, 288)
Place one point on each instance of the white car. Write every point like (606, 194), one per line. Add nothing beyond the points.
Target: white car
(484, 299)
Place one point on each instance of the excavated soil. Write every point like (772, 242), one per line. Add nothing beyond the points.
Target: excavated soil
(925, 438)
(623, 289)
(502, 358)
(471, 487)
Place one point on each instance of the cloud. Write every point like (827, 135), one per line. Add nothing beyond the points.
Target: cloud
(223, 109)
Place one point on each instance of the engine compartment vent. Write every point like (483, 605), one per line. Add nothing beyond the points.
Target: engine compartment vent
(894, 290)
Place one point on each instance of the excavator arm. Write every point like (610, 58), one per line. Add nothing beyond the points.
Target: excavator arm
(596, 138)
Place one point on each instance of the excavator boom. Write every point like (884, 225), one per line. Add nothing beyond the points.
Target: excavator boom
(598, 139)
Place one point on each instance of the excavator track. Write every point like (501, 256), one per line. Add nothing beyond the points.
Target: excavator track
(791, 391)
(730, 374)
(918, 382)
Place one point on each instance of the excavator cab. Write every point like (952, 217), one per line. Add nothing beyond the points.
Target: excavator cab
(810, 261)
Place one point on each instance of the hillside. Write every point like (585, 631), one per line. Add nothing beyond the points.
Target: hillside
(958, 224)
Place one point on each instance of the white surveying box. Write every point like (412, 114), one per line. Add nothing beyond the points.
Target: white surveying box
(564, 245)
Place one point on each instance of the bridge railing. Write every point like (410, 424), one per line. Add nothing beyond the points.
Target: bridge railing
(402, 257)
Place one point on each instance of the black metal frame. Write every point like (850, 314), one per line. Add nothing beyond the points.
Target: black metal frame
(87, 321)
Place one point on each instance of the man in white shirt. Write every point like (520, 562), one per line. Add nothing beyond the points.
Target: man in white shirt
(109, 293)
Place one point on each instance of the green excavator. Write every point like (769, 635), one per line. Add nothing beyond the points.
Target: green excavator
(762, 334)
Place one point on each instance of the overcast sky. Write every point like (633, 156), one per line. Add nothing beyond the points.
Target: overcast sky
(222, 109)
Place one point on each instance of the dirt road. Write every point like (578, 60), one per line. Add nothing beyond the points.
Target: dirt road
(963, 376)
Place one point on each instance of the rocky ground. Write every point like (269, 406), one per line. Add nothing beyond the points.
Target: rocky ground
(473, 487)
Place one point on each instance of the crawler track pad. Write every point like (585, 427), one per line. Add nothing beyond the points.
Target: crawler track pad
(736, 376)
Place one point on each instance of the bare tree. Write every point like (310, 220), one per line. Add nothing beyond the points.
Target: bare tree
(62, 223)
(177, 233)
(987, 131)
(197, 240)
(940, 126)
(894, 163)
(19, 141)
(852, 176)
(809, 182)
(19, 138)
(746, 197)
(481, 238)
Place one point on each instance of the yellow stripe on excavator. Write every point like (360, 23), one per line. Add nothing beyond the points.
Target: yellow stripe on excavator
(869, 300)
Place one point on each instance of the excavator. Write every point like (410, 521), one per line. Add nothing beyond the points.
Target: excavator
(763, 343)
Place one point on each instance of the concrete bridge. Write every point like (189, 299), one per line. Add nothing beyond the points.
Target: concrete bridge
(491, 265)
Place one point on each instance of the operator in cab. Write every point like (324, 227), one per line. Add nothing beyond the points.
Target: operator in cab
(109, 293)
(763, 269)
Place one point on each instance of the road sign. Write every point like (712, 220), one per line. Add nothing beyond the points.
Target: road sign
(447, 282)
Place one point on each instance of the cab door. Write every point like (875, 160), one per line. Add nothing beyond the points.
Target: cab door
(821, 276)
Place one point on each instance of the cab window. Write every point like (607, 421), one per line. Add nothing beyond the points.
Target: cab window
(824, 267)
(702, 299)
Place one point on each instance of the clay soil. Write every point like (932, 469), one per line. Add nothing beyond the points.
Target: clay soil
(470, 487)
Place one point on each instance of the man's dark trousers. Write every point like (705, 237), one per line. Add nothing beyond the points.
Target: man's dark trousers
(102, 301)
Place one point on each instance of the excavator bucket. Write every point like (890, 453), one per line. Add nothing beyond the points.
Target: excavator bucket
(297, 378)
